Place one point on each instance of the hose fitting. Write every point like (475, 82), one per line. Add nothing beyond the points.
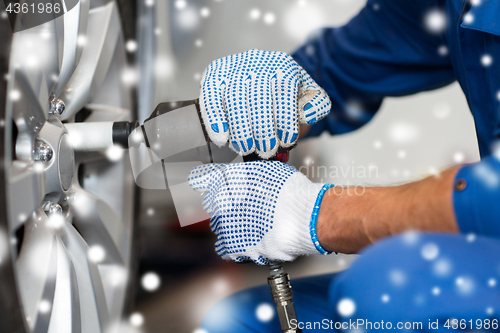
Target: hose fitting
(282, 294)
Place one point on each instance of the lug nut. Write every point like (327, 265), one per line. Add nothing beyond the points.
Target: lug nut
(43, 152)
(52, 208)
(57, 107)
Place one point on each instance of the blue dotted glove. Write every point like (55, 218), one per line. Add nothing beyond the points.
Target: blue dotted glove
(256, 100)
(260, 211)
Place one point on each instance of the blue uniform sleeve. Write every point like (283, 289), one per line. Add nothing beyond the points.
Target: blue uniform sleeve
(476, 197)
(384, 51)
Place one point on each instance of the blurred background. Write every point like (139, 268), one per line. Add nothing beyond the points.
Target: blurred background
(181, 277)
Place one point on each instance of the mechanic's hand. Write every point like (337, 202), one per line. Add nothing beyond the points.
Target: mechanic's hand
(260, 210)
(257, 99)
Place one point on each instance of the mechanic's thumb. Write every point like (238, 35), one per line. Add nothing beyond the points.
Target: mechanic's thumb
(313, 102)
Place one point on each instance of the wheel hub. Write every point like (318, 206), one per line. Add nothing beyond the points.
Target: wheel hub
(59, 170)
(66, 162)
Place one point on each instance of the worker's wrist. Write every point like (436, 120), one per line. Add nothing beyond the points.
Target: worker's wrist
(340, 226)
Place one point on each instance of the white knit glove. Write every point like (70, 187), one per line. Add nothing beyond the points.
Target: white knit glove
(257, 99)
(260, 210)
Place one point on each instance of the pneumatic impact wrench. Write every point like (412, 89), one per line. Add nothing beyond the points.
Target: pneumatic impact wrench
(175, 133)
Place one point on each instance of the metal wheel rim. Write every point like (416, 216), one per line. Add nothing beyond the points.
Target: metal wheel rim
(71, 269)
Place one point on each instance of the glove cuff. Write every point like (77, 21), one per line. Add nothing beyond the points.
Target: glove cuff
(294, 210)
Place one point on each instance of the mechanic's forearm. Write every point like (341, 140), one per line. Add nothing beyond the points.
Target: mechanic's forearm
(351, 219)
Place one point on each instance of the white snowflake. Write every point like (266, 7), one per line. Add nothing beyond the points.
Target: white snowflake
(264, 312)
(188, 18)
(465, 285)
(430, 251)
(81, 40)
(471, 237)
(468, 18)
(459, 157)
(180, 4)
(486, 60)
(443, 50)
(131, 46)
(96, 253)
(346, 307)
(255, 14)
(397, 277)
(129, 76)
(15, 95)
(433, 171)
(114, 153)
(411, 238)
(205, 12)
(44, 306)
(269, 18)
(403, 132)
(151, 281)
(442, 267)
(136, 319)
(487, 175)
(45, 34)
(435, 21)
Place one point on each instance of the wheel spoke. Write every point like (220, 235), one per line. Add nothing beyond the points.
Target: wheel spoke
(26, 191)
(114, 279)
(34, 54)
(27, 111)
(37, 270)
(90, 289)
(99, 225)
(28, 115)
(102, 36)
(71, 28)
(65, 311)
